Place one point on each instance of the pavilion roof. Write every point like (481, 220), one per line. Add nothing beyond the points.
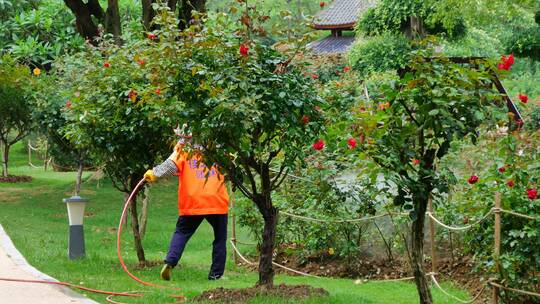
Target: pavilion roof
(341, 14)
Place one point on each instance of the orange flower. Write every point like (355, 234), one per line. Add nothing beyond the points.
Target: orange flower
(383, 106)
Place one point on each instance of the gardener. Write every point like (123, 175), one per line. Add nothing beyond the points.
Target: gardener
(202, 194)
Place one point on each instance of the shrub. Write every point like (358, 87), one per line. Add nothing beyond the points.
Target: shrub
(39, 32)
(394, 17)
(525, 43)
(379, 53)
(517, 154)
(122, 108)
(244, 102)
(434, 103)
(477, 43)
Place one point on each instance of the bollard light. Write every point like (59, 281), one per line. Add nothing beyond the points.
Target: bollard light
(75, 207)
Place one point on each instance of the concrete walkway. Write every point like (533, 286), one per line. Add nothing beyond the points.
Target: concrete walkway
(14, 266)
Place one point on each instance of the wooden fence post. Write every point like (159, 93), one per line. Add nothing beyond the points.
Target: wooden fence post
(432, 238)
(233, 219)
(497, 248)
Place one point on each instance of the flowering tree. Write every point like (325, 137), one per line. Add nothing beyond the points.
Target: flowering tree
(244, 103)
(117, 108)
(435, 102)
(15, 110)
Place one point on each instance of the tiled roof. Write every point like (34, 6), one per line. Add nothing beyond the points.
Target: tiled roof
(331, 45)
(342, 14)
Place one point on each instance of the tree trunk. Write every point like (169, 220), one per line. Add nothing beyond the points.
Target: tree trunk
(148, 14)
(85, 24)
(172, 5)
(417, 263)
(96, 10)
(417, 28)
(112, 21)
(144, 212)
(78, 182)
(5, 158)
(137, 240)
(186, 15)
(266, 270)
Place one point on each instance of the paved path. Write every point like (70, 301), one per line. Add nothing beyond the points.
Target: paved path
(13, 265)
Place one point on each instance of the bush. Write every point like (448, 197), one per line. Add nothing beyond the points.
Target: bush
(394, 17)
(39, 32)
(380, 53)
(477, 42)
(525, 43)
(517, 155)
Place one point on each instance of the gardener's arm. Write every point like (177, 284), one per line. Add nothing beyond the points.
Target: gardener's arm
(166, 169)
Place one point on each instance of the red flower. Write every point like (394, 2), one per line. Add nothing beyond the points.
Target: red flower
(532, 194)
(152, 36)
(132, 95)
(506, 62)
(346, 69)
(473, 179)
(519, 123)
(351, 143)
(305, 119)
(314, 76)
(510, 183)
(141, 62)
(362, 109)
(322, 4)
(523, 98)
(244, 49)
(502, 169)
(68, 104)
(415, 162)
(318, 145)
(107, 64)
(158, 91)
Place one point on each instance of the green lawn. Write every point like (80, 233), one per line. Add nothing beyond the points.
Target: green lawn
(36, 219)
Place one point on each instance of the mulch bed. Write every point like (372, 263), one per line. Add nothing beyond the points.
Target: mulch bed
(296, 292)
(15, 179)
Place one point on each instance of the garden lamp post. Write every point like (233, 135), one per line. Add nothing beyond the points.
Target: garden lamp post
(75, 207)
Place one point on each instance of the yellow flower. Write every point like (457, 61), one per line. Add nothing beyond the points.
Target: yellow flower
(36, 71)
(331, 251)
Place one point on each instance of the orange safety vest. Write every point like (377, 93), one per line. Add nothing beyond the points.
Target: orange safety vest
(200, 190)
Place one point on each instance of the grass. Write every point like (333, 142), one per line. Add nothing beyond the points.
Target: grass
(36, 219)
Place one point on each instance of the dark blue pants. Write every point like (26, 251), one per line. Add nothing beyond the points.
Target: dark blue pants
(186, 226)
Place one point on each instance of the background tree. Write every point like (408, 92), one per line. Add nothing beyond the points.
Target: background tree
(244, 105)
(49, 111)
(433, 104)
(15, 109)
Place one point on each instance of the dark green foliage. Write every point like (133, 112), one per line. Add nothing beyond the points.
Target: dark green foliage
(537, 17)
(525, 43)
(394, 16)
(533, 123)
(38, 32)
(380, 53)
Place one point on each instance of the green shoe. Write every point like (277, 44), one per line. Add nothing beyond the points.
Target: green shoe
(166, 272)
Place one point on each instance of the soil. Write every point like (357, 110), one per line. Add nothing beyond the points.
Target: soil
(296, 292)
(15, 179)
(459, 270)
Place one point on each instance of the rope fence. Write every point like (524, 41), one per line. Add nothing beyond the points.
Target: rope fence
(496, 211)
(363, 219)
